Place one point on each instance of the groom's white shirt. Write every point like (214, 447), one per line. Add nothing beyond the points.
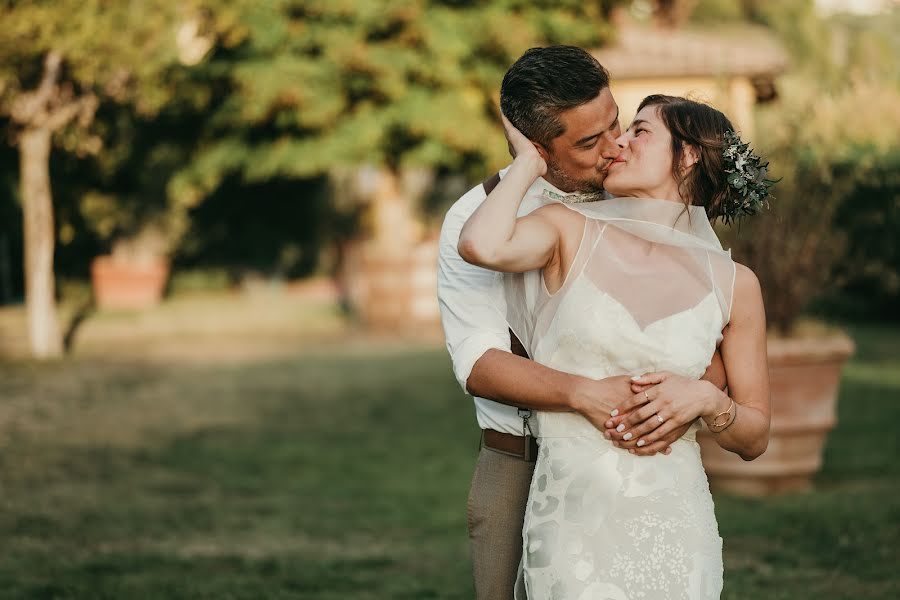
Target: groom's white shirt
(471, 300)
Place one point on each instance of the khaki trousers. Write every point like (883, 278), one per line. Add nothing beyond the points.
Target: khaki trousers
(496, 512)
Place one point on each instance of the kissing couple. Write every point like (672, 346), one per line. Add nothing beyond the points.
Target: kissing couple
(590, 309)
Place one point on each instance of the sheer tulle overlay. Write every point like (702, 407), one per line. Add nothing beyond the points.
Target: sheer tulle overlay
(641, 296)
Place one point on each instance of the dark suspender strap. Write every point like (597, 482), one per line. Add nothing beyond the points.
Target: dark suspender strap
(517, 348)
(490, 183)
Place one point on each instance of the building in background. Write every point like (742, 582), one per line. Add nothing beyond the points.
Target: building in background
(732, 68)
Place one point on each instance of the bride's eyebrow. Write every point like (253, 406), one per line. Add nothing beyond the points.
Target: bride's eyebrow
(637, 122)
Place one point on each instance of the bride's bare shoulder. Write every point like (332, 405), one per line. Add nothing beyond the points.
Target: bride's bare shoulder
(563, 218)
(747, 297)
(745, 280)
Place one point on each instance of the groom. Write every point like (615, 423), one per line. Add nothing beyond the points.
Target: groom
(559, 98)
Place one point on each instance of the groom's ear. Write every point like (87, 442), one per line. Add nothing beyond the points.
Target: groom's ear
(542, 151)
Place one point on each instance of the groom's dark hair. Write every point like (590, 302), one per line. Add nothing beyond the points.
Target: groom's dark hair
(545, 82)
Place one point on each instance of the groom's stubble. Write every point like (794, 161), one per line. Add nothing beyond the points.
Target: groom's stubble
(586, 188)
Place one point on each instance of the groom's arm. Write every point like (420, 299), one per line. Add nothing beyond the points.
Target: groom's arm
(517, 381)
(478, 338)
(504, 377)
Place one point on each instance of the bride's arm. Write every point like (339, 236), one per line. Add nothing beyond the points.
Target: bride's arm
(746, 361)
(493, 237)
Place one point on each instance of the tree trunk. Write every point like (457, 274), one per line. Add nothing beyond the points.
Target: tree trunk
(37, 209)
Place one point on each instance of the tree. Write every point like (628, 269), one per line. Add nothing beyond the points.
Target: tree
(835, 209)
(57, 60)
(305, 87)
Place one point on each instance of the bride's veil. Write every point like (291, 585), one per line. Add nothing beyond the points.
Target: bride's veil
(654, 258)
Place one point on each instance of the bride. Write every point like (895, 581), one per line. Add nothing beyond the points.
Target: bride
(635, 285)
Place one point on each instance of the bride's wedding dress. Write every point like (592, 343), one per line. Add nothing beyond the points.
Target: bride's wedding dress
(601, 523)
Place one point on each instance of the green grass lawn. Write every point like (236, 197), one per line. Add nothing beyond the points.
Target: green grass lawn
(343, 474)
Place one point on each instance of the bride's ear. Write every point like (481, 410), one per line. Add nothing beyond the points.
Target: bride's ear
(689, 157)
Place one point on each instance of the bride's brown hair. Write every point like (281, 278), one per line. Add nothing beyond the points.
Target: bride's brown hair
(702, 127)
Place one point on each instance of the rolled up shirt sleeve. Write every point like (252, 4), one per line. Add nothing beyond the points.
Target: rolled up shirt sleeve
(471, 298)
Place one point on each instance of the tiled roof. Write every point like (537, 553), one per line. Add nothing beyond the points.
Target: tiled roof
(642, 52)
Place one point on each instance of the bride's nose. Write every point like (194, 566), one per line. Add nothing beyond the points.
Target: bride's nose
(622, 140)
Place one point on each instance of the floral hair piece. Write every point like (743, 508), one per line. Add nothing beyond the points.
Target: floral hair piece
(748, 179)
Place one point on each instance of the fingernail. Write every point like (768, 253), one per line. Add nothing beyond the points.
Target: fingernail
(606, 435)
(614, 412)
(636, 377)
(632, 451)
(621, 427)
(641, 443)
(668, 451)
(627, 436)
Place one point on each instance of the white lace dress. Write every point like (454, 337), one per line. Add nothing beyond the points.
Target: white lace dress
(601, 523)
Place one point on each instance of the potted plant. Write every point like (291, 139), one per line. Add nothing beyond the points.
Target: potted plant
(793, 248)
(134, 275)
(141, 236)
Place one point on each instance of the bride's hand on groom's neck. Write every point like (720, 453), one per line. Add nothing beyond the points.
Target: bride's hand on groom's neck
(524, 150)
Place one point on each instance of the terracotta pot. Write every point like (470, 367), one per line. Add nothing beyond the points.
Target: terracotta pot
(394, 291)
(805, 375)
(121, 284)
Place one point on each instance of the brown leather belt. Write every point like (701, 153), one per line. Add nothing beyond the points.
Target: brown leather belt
(509, 444)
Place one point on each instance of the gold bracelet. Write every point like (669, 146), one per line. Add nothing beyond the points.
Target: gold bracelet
(717, 427)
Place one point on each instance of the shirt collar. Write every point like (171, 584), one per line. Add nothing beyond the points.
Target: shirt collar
(544, 189)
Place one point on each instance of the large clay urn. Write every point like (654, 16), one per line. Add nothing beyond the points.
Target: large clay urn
(394, 291)
(390, 277)
(128, 284)
(805, 376)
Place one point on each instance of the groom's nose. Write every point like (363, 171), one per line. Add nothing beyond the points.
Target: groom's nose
(612, 149)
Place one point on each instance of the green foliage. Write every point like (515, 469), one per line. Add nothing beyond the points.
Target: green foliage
(125, 59)
(867, 277)
(831, 50)
(114, 49)
(715, 12)
(306, 86)
(827, 149)
(832, 137)
(747, 178)
(195, 94)
(285, 225)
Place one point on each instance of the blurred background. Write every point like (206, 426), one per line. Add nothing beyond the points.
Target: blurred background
(222, 371)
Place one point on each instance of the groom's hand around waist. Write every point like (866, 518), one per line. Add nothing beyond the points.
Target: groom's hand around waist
(594, 399)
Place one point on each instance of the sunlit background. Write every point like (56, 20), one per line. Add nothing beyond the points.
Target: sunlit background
(222, 370)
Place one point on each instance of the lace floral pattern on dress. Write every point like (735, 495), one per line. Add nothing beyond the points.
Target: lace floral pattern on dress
(601, 523)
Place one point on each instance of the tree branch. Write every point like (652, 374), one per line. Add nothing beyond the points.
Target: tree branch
(51, 105)
(30, 106)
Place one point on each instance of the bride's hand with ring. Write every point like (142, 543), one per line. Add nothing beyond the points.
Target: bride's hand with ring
(664, 402)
